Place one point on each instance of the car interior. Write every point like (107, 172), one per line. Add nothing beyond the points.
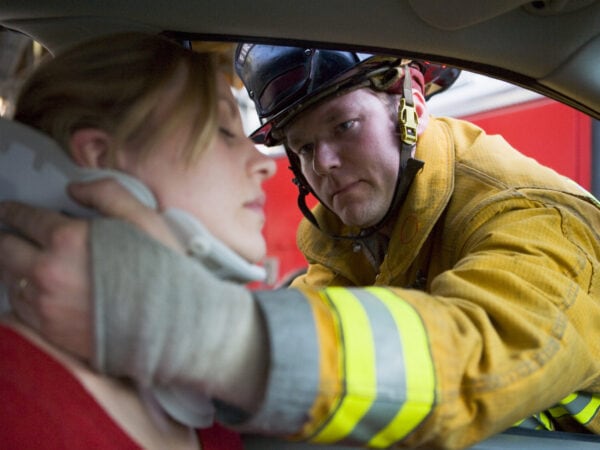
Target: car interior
(548, 47)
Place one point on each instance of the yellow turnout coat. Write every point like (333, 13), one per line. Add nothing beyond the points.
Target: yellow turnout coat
(483, 314)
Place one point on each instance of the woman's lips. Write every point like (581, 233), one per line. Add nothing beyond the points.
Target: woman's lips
(257, 205)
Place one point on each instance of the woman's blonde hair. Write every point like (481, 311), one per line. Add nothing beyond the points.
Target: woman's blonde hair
(117, 83)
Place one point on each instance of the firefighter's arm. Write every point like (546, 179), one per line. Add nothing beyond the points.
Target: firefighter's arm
(488, 346)
(511, 325)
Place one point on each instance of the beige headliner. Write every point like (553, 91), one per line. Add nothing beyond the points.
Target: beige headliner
(555, 49)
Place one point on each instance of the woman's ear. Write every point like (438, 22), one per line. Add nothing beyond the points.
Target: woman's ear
(90, 147)
(422, 110)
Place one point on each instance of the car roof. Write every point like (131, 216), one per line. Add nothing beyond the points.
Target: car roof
(551, 46)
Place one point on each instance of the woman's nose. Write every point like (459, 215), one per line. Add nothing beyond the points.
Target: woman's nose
(261, 163)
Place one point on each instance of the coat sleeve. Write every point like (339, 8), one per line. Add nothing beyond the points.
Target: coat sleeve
(508, 331)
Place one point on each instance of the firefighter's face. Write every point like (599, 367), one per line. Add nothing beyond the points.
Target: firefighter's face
(349, 154)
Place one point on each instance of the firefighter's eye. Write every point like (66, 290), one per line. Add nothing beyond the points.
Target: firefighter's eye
(346, 125)
(305, 150)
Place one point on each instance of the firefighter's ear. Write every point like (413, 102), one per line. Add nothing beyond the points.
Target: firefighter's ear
(422, 110)
(90, 147)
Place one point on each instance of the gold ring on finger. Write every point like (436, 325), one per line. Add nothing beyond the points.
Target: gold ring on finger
(22, 285)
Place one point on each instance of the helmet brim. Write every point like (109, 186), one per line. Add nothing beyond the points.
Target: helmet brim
(355, 78)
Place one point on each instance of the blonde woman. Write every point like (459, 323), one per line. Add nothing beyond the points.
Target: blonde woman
(145, 106)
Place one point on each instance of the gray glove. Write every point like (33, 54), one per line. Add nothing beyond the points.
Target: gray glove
(161, 319)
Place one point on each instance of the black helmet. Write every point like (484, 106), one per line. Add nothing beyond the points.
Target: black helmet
(283, 81)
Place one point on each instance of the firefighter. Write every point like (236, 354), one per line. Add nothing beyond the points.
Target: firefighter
(452, 289)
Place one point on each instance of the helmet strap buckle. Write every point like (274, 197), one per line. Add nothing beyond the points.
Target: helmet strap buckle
(408, 118)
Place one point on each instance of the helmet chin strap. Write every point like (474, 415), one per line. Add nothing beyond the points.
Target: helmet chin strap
(408, 167)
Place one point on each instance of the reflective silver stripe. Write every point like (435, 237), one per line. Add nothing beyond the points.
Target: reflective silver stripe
(419, 370)
(531, 423)
(582, 406)
(390, 388)
(360, 377)
(389, 368)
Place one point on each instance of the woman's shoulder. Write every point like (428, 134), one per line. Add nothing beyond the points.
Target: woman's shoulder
(44, 405)
(56, 398)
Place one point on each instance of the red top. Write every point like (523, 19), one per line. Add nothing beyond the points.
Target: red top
(42, 405)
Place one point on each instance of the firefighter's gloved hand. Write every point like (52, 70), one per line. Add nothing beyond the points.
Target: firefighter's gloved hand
(191, 330)
(184, 404)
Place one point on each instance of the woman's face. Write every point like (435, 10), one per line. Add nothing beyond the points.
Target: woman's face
(222, 187)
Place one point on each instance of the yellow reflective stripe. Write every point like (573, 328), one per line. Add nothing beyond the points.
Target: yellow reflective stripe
(568, 399)
(587, 413)
(359, 364)
(331, 368)
(545, 421)
(581, 406)
(558, 411)
(420, 373)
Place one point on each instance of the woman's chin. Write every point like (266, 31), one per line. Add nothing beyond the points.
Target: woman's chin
(254, 254)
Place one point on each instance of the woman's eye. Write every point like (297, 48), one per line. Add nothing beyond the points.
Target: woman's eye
(226, 132)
